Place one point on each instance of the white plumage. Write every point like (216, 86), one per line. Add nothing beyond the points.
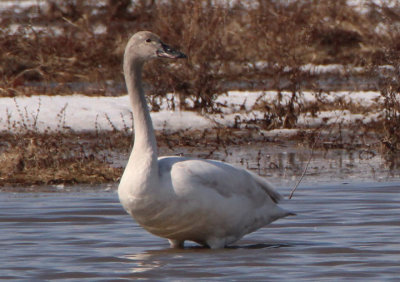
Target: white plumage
(209, 202)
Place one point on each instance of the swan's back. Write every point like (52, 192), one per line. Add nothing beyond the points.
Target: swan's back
(225, 179)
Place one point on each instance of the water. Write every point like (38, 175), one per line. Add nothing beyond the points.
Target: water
(342, 232)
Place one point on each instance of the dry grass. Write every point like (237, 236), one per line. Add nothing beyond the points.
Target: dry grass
(76, 46)
(55, 48)
(38, 159)
(35, 158)
(391, 115)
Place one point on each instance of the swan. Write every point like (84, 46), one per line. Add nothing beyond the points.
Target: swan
(205, 201)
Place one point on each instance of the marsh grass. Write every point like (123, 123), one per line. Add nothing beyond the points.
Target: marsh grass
(391, 116)
(68, 158)
(82, 41)
(229, 46)
(29, 155)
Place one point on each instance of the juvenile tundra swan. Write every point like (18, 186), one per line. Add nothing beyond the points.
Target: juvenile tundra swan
(209, 202)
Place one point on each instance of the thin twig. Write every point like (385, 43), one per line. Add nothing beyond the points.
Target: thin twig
(71, 23)
(305, 169)
(311, 155)
(114, 128)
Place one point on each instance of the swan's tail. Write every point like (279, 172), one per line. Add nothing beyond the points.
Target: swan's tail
(274, 195)
(268, 188)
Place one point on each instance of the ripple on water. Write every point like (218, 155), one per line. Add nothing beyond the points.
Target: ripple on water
(340, 232)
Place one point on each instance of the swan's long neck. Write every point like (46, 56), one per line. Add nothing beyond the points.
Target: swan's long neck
(145, 144)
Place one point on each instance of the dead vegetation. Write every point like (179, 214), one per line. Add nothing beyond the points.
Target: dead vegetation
(65, 158)
(64, 47)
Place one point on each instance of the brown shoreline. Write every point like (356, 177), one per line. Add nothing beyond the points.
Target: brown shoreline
(37, 160)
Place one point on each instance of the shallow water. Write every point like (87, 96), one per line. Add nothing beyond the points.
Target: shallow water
(343, 231)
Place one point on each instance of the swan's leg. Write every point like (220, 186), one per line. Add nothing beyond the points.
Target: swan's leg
(216, 243)
(176, 244)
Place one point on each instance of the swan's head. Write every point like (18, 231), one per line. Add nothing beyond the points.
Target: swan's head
(145, 45)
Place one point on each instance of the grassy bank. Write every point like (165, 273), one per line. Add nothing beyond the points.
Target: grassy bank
(67, 157)
(65, 47)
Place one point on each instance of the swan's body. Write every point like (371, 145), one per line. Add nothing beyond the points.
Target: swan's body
(205, 201)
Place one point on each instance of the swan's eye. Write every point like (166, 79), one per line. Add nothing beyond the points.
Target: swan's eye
(148, 40)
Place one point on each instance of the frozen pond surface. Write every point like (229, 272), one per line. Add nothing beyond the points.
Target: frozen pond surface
(342, 231)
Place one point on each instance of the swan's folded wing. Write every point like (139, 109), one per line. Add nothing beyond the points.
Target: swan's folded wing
(222, 178)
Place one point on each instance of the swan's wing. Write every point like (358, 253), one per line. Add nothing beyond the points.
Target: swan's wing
(266, 186)
(225, 179)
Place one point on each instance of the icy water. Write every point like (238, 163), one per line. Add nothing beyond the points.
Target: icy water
(341, 232)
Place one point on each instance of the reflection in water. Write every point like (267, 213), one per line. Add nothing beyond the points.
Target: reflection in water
(143, 262)
(283, 164)
(150, 260)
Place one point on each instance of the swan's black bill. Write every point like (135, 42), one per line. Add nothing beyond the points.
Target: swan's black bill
(168, 52)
